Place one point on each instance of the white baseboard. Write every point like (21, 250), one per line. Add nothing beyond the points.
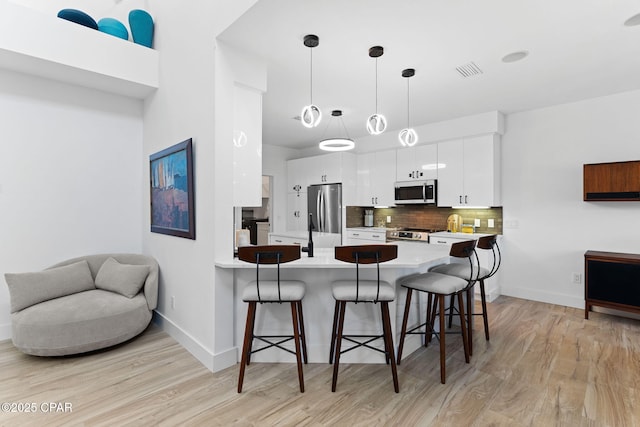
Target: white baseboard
(213, 362)
(544, 296)
(5, 331)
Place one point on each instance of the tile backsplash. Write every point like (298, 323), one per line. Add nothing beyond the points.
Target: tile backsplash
(426, 217)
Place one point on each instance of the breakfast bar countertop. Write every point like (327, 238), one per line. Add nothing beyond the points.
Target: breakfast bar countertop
(414, 255)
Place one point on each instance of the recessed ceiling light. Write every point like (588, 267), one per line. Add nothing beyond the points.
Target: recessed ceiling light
(633, 21)
(515, 56)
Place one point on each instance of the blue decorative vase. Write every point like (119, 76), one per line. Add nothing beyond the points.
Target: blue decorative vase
(114, 27)
(79, 17)
(141, 25)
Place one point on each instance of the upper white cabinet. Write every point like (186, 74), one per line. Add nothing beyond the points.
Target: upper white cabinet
(376, 174)
(323, 169)
(247, 146)
(470, 172)
(417, 163)
(43, 45)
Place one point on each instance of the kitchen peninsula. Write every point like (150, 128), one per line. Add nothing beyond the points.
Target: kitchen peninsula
(318, 304)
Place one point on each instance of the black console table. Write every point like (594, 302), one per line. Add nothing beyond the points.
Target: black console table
(612, 280)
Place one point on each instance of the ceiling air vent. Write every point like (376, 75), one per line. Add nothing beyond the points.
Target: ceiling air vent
(469, 70)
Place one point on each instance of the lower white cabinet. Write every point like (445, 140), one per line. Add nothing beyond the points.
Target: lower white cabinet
(277, 239)
(297, 211)
(360, 236)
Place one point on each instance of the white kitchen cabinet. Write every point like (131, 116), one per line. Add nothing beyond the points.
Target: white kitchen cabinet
(470, 175)
(324, 169)
(417, 163)
(278, 239)
(376, 175)
(298, 174)
(247, 146)
(296, 211)
(359, 236)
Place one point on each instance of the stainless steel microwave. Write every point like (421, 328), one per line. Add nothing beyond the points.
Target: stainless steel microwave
(416, 192)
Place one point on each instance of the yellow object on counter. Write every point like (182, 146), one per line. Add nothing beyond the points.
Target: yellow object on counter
(467, 229)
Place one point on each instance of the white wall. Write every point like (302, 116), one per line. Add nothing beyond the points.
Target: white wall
(71, 170)
(185, 106)
(548, 227)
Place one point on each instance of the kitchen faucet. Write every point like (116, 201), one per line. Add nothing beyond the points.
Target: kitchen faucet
(309, 247)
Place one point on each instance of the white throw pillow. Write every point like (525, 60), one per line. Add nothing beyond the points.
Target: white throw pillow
(125, 279)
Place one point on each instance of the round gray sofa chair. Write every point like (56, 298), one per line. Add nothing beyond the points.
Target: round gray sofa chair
(83, 304)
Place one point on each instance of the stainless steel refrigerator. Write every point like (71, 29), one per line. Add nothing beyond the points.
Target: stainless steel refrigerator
(324, 202)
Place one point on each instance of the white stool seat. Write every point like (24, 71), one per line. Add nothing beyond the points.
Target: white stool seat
(436, 283)
(290, 290)
(345, 290)
(459, 270)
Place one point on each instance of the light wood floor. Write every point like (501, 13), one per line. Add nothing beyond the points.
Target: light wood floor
(544, 366)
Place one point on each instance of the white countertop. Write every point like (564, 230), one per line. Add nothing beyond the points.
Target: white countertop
(373, 229)
(410, 255)
(463, 236)
(300, 234)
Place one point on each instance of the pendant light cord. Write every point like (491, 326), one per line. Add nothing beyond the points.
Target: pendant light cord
(408, 92)
(376, 85)
(311, 74)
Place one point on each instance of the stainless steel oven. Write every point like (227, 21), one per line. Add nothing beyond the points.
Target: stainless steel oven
(416, 192)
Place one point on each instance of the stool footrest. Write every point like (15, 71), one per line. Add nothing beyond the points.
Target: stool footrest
(266, 338)
(362, 344)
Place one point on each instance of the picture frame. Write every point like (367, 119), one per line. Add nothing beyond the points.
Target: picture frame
(171, 190)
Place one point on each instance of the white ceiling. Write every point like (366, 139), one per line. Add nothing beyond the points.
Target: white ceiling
(578, 49)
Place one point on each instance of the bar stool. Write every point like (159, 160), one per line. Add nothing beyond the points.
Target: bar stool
(273, 291)
(363, 291)
(439, 285)
(462, 271)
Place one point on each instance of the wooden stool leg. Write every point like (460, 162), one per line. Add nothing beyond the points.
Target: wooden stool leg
(431, 320)
(451, 305)
(303, 335)
(384, 336)
(465, 338)
(386, 324)
(253, 328)
(336, 363)
(441, 335)
(336, 310)
(248, 338)
(296, 338)
(405, 318)
(484, 310)
(470, 319)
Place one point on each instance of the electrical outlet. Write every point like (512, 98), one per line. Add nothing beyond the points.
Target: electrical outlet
(577, 278)
(388, 219)
(173, 302)
(476, 222)
(490, 223)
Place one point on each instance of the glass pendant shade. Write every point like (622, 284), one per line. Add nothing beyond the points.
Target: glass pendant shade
(408, 137)
(337, 143)
(311, 116)
(376, 124)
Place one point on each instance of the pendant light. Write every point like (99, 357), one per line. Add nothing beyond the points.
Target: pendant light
(311, 114)
(408, 136)
(376, 123)
(337, 143)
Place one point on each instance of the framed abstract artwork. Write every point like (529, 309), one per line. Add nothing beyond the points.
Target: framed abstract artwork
(172, 194)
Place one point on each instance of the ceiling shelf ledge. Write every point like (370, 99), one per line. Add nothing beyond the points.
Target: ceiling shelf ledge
(38, 44)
